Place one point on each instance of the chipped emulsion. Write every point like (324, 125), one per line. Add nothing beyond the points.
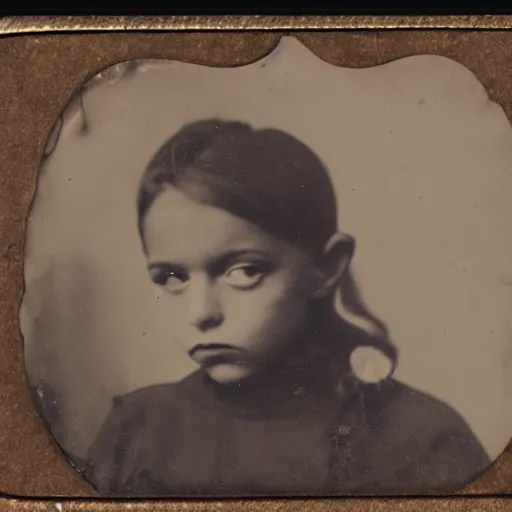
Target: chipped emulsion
(111, 75)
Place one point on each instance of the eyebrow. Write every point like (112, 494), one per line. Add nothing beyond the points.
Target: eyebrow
(215, 263)
(223, 260)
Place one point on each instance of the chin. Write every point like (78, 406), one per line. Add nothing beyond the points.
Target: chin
(229, 373)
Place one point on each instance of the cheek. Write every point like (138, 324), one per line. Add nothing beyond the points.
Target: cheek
(173, 309)
(274, 304)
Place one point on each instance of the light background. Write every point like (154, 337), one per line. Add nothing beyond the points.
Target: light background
(422, 165)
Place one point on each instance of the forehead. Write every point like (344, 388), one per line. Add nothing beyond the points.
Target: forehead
(180, 229)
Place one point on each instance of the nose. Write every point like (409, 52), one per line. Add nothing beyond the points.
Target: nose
(205, 310)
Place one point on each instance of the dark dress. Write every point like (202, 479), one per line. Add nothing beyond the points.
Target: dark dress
(282, 436)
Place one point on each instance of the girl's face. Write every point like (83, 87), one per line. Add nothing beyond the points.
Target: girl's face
(237, 295)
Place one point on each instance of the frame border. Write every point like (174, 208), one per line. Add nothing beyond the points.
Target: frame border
(26, 25)
(12, 25)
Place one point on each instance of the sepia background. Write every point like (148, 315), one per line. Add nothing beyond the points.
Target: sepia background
(422, 164)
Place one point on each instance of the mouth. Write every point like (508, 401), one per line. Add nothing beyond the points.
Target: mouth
(208, 354)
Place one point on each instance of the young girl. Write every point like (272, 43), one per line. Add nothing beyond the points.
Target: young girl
(239, 227)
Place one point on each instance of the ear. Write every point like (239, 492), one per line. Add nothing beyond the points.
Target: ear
(334, 262)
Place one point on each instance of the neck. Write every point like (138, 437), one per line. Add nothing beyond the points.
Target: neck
(316, 363)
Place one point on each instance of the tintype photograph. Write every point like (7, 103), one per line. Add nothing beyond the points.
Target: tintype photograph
(285, 278)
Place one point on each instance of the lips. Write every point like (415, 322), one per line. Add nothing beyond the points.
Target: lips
(214, 353)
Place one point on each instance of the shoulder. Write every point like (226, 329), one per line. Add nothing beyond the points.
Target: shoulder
(156, 397)
(415, 410)
(426, 442)
(144, 398)
(133, 423)
(139, 406)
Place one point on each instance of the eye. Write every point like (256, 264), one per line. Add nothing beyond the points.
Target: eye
(245, 275)
(175, 282)
(171, 280)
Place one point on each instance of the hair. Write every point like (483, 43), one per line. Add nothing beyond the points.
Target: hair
(265, 176)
